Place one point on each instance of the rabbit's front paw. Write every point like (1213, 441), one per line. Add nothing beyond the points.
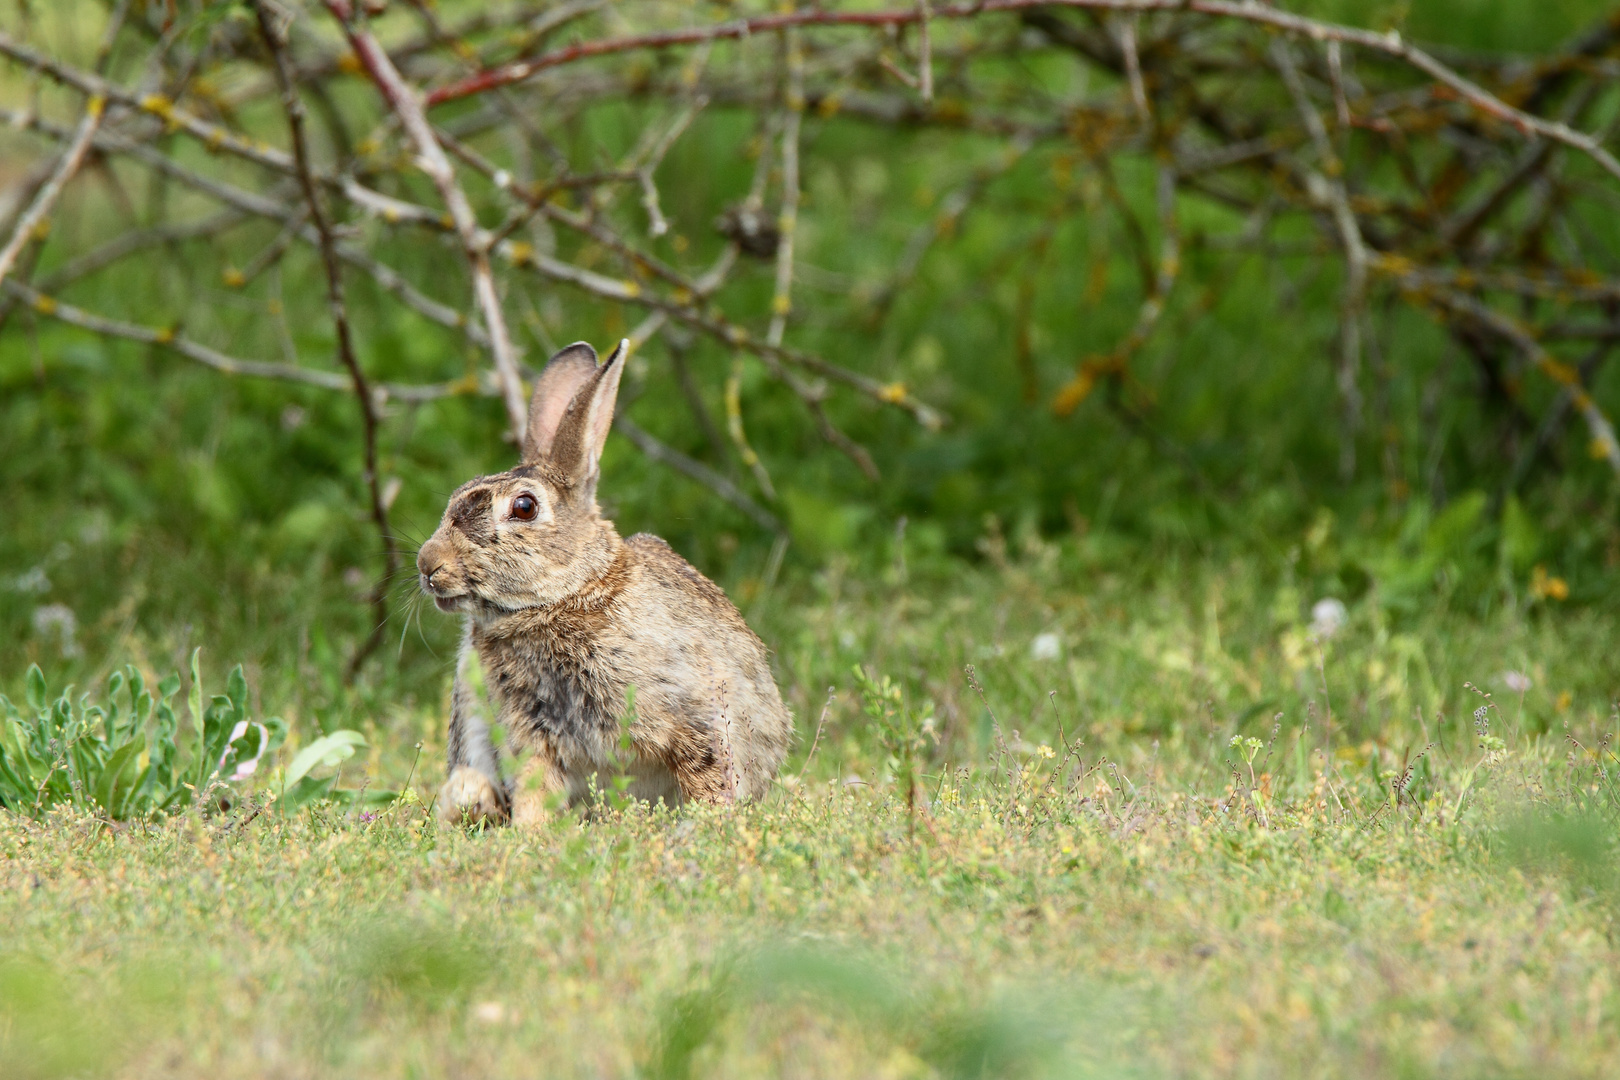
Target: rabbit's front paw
(469, 798)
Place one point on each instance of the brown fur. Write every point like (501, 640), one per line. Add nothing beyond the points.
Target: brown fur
(565, 616)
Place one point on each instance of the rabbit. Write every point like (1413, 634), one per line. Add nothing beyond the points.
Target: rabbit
(565, 618)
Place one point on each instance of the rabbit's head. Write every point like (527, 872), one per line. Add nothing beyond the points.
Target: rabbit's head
(529, 537)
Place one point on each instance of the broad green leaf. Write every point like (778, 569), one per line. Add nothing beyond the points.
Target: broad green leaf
(37, 697)
(111, 791)
(327, 750)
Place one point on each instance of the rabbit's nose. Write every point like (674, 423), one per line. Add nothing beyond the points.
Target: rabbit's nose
(428, 569)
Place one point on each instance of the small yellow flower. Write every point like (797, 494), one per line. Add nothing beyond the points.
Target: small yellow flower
(1547, 587)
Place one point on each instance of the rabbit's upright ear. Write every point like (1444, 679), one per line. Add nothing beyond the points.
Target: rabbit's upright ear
(577, 448)
(554, 391)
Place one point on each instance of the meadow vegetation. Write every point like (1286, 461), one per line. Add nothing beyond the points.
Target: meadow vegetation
(1098, 823)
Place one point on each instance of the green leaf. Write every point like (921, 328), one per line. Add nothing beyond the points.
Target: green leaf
(37, 695)
(327, 750)
(236, 689)
(198, 721)
(14, 791)
(111, 790)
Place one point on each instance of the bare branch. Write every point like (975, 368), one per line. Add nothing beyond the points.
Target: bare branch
(1329, 190)
(294, 108)
(788, 220)
(47, 195)
(431, 159)
(715, 482)
(1604, 443)
(1390, 44)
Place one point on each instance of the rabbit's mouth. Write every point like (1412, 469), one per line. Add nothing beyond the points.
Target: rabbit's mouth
(448, 603)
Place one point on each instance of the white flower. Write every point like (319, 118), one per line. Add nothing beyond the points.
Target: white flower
(244, 769)
(1046, 646)
(1517, 681)
(58, 619)
(34, 581)
(1328, 618)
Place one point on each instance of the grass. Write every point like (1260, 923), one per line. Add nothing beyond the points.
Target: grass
(1090, 879)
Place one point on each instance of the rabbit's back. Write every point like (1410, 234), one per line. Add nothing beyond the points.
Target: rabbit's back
(704, 676)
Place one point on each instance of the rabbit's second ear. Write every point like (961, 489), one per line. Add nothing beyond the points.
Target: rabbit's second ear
(554, 391)
(577, 447)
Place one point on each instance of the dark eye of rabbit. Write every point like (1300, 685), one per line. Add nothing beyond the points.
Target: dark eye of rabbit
(523, 507)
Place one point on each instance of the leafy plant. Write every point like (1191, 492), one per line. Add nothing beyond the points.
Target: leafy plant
(904, 732)
(127, 759)
(298, 788)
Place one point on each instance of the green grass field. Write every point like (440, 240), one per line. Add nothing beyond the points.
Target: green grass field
(1089, 879)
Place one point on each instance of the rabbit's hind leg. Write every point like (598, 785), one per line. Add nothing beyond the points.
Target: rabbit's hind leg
(541, 789)
(702, 765)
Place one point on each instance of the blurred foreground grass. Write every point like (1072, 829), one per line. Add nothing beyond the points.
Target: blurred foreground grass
(1138, 903)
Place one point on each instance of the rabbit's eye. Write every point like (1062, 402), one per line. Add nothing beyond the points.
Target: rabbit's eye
(524, 507)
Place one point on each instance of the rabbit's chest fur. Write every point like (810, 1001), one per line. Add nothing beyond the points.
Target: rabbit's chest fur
(546, 670)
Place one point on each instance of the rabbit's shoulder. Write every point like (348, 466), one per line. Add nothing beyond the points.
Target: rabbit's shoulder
(663, 567)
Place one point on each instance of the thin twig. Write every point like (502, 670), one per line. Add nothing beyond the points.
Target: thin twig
(821, 722)
(1604, 442)
(1133, 67)
(406, 105)
(294, 108)
(215, 138)
(925, 54)
(665, 454)
(1329, 190)
(1164, 276)
(734, 428)
(47, 195)
(788, 220)
(168, 338)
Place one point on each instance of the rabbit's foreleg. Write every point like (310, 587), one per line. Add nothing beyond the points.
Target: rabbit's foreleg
(474, 791)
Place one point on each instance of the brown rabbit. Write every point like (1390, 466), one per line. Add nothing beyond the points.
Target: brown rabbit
(566, 616)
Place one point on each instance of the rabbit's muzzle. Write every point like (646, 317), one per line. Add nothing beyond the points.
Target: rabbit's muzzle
(438, 578)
